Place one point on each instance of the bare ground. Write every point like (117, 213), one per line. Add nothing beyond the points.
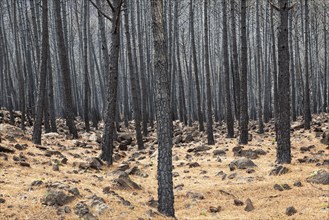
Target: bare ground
(196, 189)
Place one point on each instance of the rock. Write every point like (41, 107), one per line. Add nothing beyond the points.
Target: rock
(291, 211)
(201, 148)
(82, 210)
(213, 209)
(152, 203)
(232, 176)
(124, 167)
(124, 182)
(178, 139)
(2, 200)
(126, 138)
(219, 152)
(14, 131)
(195, 195)
(237, 148)
(24, 164)
(55, 167)
(320, 177)
(279, 170)
(325, 138)
(7, 150)
(99, 204)
(95, 163)
(189, 138)
(74, 191)
(123, 147)
(278, 187)
(250, 170)
(282, 187)
(20, 147)
(246, 153)
(67, 209)
(51, 135)
(249, 206)
(238, 202)
(249, 137)
(298, 184)
(56, 197)
(36, 183)
(242, 163)
(194, 164)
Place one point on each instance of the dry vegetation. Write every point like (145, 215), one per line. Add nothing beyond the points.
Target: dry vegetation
(197, 188)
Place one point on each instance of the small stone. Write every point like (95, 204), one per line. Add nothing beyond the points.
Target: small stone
(213, 209)
(24, 164)
(36, 183)
(278, 187)
(250, 170)
(298, 184)
(195, 195)
(19, 147)
(279, 170)
(291, 211)
(320, 177)
(232, 176)
(55, 167)
(74, 191)
(194, 164)
(67, 209)
(219, 152)
(249, 206)
(123, 147)
(2, 200)
(238, 202)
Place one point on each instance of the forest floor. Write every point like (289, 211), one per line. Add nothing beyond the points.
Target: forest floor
(63, 179)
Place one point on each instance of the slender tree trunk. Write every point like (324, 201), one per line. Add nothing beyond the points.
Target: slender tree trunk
(134, 90)
(283, 115)
(65, 70)
(236, 77)
(244, 118)
(111, 96)
(37, 128)
(307, 107)
(195, 68)
(229, 117)
(163, 112)
(85, 58)
(210, 134)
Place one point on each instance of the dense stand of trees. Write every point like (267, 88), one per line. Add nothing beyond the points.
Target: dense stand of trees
(204, 62)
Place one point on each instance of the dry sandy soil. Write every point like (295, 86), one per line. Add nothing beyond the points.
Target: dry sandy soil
(205, 187)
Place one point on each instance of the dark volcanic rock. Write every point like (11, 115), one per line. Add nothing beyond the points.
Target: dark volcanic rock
(242, 163)
(201, 148)
(124, 182)
(56, 197)
(238, 202)
(321, 177)
(6, 150)
(219, 152)
(214, 209)
(195, 195)
(194, 164)
(325, 138)
(249, 206)
(279, 170)
(291, 211)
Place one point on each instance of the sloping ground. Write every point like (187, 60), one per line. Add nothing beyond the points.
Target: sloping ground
(37, 182)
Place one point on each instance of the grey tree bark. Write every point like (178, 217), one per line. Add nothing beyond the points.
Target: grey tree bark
(163, 113)
(283, 115)
(37, 128)
(65, 70)
(244, 118)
